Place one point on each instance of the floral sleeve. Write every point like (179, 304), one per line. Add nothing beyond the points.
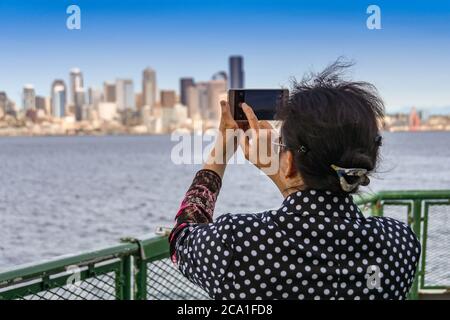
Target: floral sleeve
(197, 206)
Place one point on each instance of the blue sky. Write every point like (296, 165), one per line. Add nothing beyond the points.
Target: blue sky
(408, 59)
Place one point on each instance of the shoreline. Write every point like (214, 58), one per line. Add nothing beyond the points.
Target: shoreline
(137, 134)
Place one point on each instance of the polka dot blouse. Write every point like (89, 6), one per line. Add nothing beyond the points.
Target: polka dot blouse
(317, 245)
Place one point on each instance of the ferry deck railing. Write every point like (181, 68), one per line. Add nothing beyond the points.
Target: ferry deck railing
(140, 268)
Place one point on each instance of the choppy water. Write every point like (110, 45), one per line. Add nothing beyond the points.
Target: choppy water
(60, 195)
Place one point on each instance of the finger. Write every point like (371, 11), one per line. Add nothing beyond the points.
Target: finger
(225, 110)
(251, 117)
(265, 125)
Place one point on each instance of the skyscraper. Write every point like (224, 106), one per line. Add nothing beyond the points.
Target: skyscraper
(95, 96)
(3, 100)
(109, 91)
(192, 102)
(41, 103)
(203, 99)
(125, 95)
(58, 98)
(220, 75)
(149, 87)
(80, 98)
(185, 83)
(6, 105)
(168, 98)
(29, 97)
(216, 90)
(76, 83)
(138, 100)
(236, 80)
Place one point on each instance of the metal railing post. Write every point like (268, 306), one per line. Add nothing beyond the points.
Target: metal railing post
(140, 279)
(124, 284)
(424, 245)
(128, 278)
(417, 224)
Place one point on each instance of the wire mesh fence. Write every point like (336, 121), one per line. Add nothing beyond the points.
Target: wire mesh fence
(113, 273)
(437, 253)
(98, 275)
(96, 288)
(398, 211)
(164, 282)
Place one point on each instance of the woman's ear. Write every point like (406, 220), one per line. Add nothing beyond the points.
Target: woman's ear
(289, 165)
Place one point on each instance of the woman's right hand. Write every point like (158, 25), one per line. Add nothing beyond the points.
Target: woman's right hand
(256, 143)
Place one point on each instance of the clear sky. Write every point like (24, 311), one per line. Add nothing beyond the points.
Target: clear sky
(408, 59)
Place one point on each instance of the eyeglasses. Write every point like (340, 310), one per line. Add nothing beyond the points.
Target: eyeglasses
(278, 147)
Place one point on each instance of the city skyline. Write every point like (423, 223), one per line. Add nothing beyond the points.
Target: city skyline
(181, 92)
(406, 59)
(118, 108)
(74, 78)
(121, 91)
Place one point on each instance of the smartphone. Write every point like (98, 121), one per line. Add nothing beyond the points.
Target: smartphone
(264, 102)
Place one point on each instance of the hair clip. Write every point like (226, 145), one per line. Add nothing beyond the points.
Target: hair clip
(360, 173)
(303, 149)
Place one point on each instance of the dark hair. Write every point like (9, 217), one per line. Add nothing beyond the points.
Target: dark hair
(336, 121)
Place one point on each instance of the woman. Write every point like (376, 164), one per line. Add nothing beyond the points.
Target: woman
(317, 245)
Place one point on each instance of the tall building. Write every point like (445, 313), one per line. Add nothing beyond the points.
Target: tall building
(41, 103)
(168, 98)
(29, 97)
(58, 96)
(220, 75)
(95, 96)
(3, 101)
(236, 80)
(138, 100)
(216, 91)
(192, 102)
(185, 83)
(6, 105)
(80, 99)
(76, 83)
(149, 87)
(203, 99)
(109, 91)
(125, 95)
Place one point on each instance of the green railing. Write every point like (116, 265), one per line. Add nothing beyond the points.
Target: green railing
(141, 269)
(428, 214)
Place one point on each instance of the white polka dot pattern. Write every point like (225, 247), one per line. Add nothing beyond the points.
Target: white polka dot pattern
(316, 246)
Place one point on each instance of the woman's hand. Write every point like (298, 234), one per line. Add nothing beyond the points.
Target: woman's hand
(226, 141)
(257, 145)
(260, 151)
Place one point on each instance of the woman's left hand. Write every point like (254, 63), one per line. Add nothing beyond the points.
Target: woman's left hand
(226, 141)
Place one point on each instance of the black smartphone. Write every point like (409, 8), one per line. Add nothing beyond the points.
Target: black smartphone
(264, 102)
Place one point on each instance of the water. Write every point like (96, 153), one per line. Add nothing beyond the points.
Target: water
(61, 195)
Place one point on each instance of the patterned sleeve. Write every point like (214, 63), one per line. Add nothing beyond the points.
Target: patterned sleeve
(200, 247)
(197, 205)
